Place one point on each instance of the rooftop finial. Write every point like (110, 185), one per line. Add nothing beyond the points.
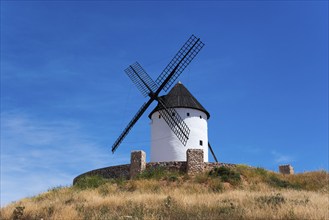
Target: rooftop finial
(179, 82)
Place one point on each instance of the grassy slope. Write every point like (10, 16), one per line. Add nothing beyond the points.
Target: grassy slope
(241, 193)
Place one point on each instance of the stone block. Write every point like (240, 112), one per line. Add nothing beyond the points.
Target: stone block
(286, 169)
(137, 163)
(195, 161)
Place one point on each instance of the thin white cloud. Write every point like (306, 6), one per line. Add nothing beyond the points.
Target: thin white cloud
(281, 158)
(37, 155)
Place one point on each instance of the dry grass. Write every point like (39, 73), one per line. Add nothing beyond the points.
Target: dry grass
(200, 197)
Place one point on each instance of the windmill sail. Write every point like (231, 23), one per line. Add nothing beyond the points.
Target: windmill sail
(175, 122)
(130, 125)
(180, 61)
(152, 89)
(141, 79)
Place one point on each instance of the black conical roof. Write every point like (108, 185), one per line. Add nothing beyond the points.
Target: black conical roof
(180, 97)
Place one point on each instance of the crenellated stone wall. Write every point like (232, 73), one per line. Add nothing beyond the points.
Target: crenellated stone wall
(193, 165)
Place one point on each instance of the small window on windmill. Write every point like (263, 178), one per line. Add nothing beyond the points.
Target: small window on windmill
(200, 117)
(173, 114)
(159, 116)
(201, 143)
(188, 114)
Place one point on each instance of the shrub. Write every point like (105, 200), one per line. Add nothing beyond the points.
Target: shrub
(272, 200)
(257, 175)
(261, 171)
(131, 186)
(172, 178)
(201, 178)
(104, 190)
(168, 202)
(18, 213)
(313, 181)
(226, 175)
(56, 189)
(118, 181)
(216, 185)
(275, 181)
(88, 182)
(153, 173)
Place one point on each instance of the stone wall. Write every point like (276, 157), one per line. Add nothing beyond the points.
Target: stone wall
(179, 166)
(193, 165)
(121, 171)
(209, 166)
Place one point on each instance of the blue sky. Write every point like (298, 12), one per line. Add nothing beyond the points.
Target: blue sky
(262, 75)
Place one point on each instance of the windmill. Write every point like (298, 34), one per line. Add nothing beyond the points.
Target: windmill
(151, 88)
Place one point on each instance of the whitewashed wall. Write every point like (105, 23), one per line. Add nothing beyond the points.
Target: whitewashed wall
(165, 146)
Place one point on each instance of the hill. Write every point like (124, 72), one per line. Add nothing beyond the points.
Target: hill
(224, 193)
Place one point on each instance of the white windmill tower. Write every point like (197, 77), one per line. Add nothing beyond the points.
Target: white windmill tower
(165, 146)
(179, 109)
